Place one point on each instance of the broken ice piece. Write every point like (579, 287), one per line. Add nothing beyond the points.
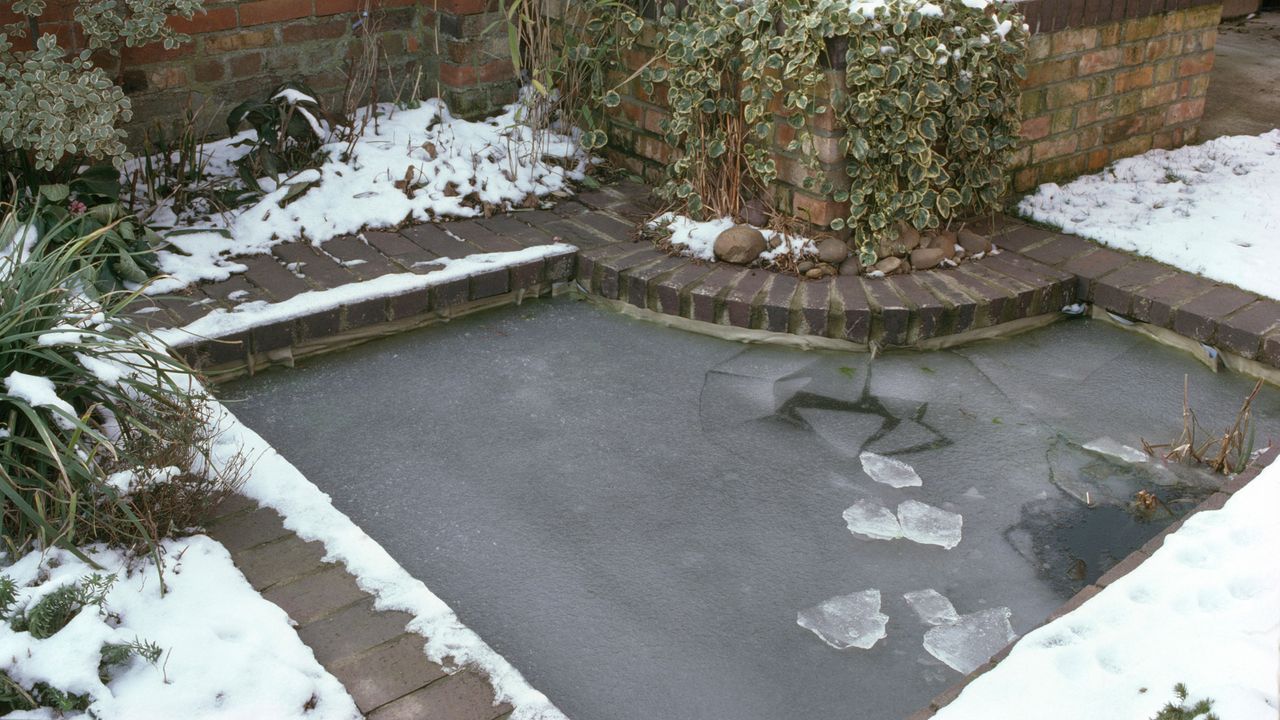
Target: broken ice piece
(893, 473)
(1107, 446)
(929, 525)
(971, 641)
(932, 607)
(847, 621)
(872, 520)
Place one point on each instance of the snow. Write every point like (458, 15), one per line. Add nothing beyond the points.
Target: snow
(1211, 209)
(1203, 610)
(39, 391)
(221, 323)
(931, 606)
(888, 471)
(453, 168)
(928, 525)
(697, 239)
(971, 640)
(275, 483)
(228, 653)
(847, 621)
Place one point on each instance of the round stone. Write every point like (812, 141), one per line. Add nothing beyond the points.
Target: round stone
(973, 243)
(926, 258)
(831, 250)
(805, 266)
(889, 265)
(851, 266)
(740, 244)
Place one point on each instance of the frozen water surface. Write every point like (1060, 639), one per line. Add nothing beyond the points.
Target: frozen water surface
(970, 641)
(847, 621)
(634, 515)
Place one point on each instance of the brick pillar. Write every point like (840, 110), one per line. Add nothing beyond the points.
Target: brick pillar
(475, 71)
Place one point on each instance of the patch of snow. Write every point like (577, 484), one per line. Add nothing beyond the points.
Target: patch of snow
(209, 617)
(1203, 610)
(1210, 209)
(847, 621)
(928, 525)
(971, 640)
(889, 471)
(39, 391)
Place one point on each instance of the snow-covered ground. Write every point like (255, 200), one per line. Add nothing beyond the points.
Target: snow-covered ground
(1204, 610)
(225, 651)
(414, 164)
(1211, 209)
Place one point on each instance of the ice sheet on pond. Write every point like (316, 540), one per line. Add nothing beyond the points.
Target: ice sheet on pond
(844, 431)
(1093, 476)
(1116, 449)
(929, 525)
(847, 621)
(889, 471)
(932, 606)
(972, 640)
(908, 436)
(872, 520)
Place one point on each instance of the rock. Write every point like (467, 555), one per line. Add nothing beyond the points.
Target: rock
(926, 258)
(851, 266)
(774, 242)
(944, 240)
(831, 250)
(740, 244)
(814, 273)
(828, 269)
(805, 266)
(908, 237)
(973, 243)
(889, 265)
(754, 213)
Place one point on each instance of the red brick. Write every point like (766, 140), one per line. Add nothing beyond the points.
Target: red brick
(209, 71)
(268, 11)
(1184, 111)
(469, 75)
(1196, 65)
(1100, 61)
(223, 18)
(1035, 128)
(153, 53)
(1056, 147)
(228, 42)
(245, 65)
(305, 31)
(333, 7)
(1134, 79)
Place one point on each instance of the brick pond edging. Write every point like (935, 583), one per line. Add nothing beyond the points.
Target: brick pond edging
(1214, 502)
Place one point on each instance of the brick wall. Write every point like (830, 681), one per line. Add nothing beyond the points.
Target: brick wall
(1106, 79)
(240, 49)
(1114, 89)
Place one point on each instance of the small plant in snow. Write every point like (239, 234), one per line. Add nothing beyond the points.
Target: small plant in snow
(1201, 710)
(290, 127)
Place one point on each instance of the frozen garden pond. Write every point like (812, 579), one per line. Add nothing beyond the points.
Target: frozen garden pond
(655, 524)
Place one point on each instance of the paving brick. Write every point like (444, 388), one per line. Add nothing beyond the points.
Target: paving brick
(265, 338)
(640, 281)
(234, 290)
(891, 316)
(1198, 319)
(1270, 353)
(318, 270)
(226, 349)
(611, 268)
(561, 267)
(323, 324)
(669, 290)
(365, 313)
(450, 294)
(1019, 237)
(409, 304)
(1091, 266)
(267, 273)
(387, 672)
(962, 307)
(408, 254)
(1054, 288)
(855, 312)
(311, 597)
(990, 299)
(1118, 290)
(1058, 249)
(610, 227)
(482, 237)
(704, 296)
(777, 303)
(528, 274)
(1157, 303)
(146, 312)
(574, 234)
(815, 305)
(438, 242)
(928, 313)
(354, 629)
(1242, 331)
(489, 283)
(742, 300)
(591, 262)
(279, 561)
(1019, 297)
(462, 696)
(231, 505)
(359, 258)
(521, 233)
(242, 531)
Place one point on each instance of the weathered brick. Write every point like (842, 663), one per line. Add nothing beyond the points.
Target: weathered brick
(743, 299)
(438, 242)
(465, 695)
(359, 258)
(891, 317)
(242, 531)
(1091, 266)
(1243, 331)
(669, 289)
(778, 301)
(311, 597)
(352, 630)
(704, 297)
(815, 305)
(387, 672)
(639, 280)
(1158, 302)
(1198, 319)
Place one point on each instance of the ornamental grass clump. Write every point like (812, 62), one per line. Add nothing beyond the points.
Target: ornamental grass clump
(103, 437)
(928, 102)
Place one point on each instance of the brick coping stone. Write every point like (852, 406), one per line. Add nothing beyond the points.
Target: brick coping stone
(1135, 559)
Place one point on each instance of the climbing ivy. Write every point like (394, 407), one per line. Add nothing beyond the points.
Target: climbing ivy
(929, 108)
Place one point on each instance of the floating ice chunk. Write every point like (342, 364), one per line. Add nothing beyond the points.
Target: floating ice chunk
(929, 525)
(932, 607)
(872, 520)
(1107, 446)
(847, 621)
(893, 473)
(971, 641)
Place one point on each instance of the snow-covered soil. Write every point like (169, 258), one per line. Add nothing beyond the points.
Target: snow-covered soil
(1204, 610)
(225, 651)
(1211, 209)
(414, 164)
(697, 239)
